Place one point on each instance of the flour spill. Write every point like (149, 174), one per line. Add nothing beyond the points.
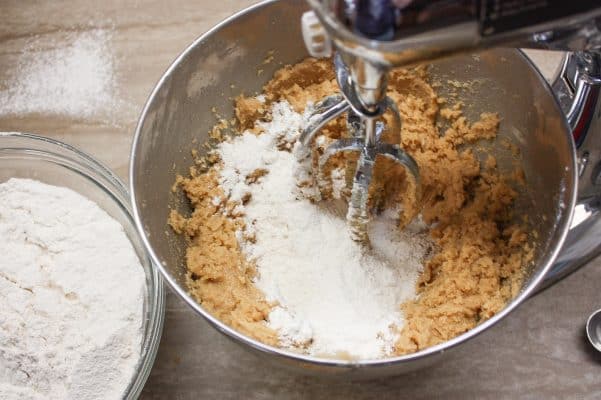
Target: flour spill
(76, 79)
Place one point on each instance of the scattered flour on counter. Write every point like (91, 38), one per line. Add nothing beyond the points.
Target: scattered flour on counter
(335, 298)
(75, 80)
(71, 293)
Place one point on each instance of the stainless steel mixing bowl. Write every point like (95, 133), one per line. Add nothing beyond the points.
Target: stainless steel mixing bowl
(178, 116)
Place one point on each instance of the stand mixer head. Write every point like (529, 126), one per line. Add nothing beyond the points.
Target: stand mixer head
(372, 36)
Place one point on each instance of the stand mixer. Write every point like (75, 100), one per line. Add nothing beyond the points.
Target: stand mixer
(372, 36)
(561, 199)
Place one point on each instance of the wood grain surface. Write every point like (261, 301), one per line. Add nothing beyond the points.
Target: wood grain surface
(539, 351)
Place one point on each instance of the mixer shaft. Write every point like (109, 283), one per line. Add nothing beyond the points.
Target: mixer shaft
(365, 139)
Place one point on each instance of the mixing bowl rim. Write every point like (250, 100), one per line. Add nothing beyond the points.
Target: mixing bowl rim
(563, 224)
(117, 192)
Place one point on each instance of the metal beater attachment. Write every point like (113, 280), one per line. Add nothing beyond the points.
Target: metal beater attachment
(365, 139)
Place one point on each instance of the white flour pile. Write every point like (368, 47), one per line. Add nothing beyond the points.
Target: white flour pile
(76, 80)
(71, 296)
(335, 299)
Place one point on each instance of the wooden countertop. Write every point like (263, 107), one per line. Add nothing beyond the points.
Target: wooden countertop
(539, 351)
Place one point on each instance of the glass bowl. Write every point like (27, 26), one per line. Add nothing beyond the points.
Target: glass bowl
(30, 156)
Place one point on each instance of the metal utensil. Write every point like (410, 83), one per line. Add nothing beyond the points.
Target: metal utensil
(593, 329)
(366, 140)
(372, 36)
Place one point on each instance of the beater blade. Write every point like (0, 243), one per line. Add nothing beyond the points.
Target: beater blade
(365, 139)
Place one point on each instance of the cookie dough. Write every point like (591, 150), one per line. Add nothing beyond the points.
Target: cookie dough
(481, 253)
(219, 276)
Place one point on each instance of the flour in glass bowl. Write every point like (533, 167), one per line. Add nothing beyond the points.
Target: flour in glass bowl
(335, 299)
(71, 293)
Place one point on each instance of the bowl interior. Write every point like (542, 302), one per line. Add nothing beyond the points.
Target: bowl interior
(230, 60)
(34, 157)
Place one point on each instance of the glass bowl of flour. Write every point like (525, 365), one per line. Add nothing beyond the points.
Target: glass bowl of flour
(85, 305)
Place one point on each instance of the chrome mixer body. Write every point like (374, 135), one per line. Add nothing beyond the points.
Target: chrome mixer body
(371, 36)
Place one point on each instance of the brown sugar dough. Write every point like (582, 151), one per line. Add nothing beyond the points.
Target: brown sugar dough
(248, 110)
(219, 276)
(480, 256)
